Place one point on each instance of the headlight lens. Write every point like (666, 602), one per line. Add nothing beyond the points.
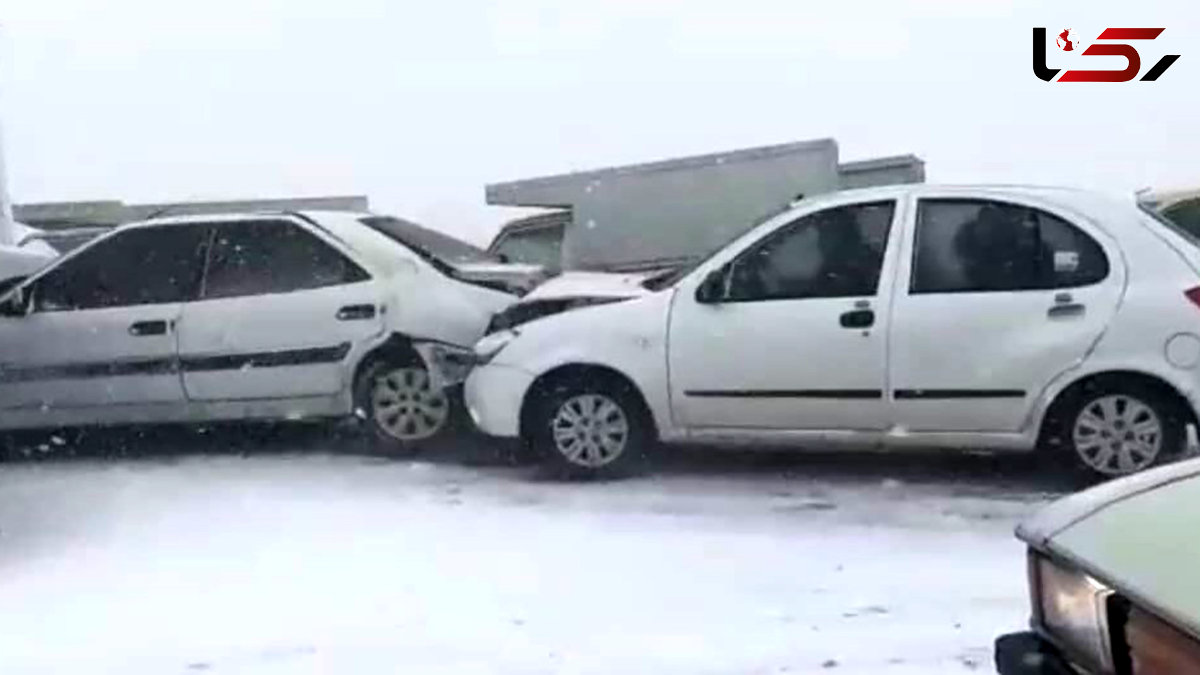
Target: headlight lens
(448, 364)
(1073, 609)
(491, 345)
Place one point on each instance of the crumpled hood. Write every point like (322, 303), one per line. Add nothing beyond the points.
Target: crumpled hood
(519, 277)
(568, 291)
(590, 285)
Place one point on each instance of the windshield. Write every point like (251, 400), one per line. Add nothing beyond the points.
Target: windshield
(673, 276)
(429, 244)
(670, 277)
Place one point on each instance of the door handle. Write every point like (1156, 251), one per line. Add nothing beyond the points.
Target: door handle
(1065, 305)
(356, 313)
(858, 318)
(146, 328)
(1066, 309)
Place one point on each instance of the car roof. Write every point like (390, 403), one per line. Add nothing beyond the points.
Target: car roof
(1093, 204)
(1073, 196)
(1060, 193)
(238, 216)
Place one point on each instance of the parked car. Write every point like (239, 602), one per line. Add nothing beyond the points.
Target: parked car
(254, 316)
(996, 318)
(1111, 580)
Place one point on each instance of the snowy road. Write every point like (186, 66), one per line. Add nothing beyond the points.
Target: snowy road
(309, 562)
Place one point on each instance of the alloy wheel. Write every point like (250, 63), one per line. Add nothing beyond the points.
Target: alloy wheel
(1117, 435)
(406, 406)
(590, 430)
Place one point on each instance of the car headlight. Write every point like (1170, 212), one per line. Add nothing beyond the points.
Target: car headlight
(491, 345)
(448, 364)
(1072, 609)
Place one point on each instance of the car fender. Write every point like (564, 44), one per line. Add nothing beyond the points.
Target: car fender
(1123, 347)
(440, 316)
(1183, 381)
(627, 337)
(426, 305)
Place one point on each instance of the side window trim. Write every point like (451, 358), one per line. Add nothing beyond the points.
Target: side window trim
(1036, 211)
(790, 227)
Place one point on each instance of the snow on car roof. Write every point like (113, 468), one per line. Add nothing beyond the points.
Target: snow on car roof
(248, 215)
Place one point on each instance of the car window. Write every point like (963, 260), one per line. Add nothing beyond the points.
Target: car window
(273, 256)
(832, 253)
(535, 246)
(969, 245)
(1186, 216)
(141, 266)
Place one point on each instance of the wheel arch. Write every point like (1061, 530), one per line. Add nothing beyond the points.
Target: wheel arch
(1050, 421)
(398, 348)
(575, 371)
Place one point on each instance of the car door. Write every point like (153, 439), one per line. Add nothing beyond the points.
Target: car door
(997, 298)
(795, 338)
(279, 311)
(98, 329)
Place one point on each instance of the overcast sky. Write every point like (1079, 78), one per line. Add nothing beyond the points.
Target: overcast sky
(419, 104)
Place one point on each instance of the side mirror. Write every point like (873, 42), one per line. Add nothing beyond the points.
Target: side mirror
(16, 303)
(712, 290)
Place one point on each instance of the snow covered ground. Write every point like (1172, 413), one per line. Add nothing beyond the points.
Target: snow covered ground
(313, 562)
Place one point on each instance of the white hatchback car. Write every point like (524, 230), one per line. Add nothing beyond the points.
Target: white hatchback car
(267, 315)
(994, 318)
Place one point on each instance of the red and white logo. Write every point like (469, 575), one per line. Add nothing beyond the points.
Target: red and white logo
(1110, 42)
(1066, 40)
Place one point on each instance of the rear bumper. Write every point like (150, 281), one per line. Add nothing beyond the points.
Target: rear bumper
(494, 395)
(1026, 653)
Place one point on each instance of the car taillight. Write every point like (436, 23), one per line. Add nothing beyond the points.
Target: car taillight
(1193, 294)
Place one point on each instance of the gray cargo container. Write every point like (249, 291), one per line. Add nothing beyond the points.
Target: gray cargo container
(663, 213)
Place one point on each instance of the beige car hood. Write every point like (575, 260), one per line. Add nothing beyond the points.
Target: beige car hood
(1140, 535)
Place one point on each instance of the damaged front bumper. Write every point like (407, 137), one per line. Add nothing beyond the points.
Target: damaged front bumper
(448, 365)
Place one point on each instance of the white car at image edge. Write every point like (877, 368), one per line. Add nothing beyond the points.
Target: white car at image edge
(251, 316)
(1002, 318)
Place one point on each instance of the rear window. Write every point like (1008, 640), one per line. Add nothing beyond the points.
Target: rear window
(438, 248)
(1189, 234)
(1186, 216)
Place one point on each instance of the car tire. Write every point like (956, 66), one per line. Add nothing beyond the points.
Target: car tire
(399, 410)
(591, 428)
(1120, 428)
